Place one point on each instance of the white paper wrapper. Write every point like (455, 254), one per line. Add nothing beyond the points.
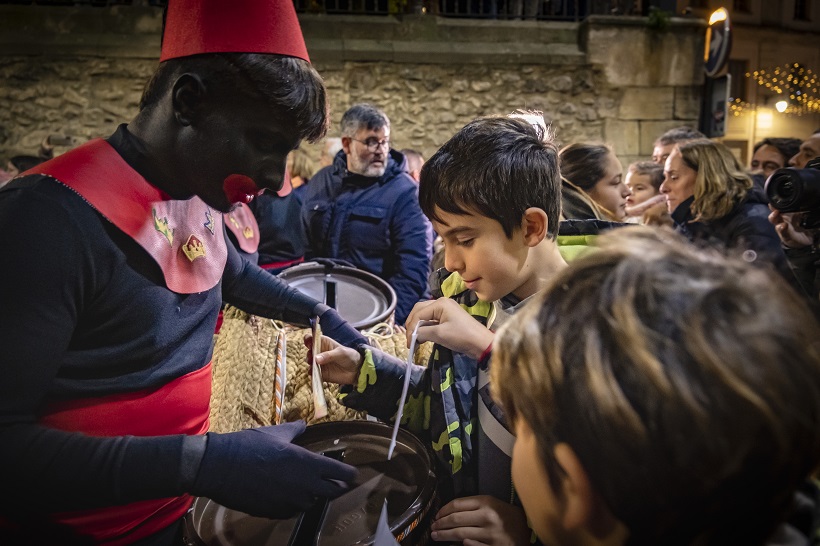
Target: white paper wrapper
(319, 402)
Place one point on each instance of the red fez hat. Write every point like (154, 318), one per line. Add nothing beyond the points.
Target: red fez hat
(232, 26)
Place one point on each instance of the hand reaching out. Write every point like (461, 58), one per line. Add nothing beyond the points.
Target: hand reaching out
(260, 472)
(644, 206)
(481, 520)
(339, 364)
(456, 329)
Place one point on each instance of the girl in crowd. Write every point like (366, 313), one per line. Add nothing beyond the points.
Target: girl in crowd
(592, 183)
(646, 204)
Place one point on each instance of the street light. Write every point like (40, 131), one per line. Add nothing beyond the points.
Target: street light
(718, 15)
(781, 105)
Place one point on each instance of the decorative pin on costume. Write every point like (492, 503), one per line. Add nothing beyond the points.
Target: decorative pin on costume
(193, 248)
(209, 220)
(161, 225)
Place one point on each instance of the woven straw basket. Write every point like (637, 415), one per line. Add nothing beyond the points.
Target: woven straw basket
(244, 364)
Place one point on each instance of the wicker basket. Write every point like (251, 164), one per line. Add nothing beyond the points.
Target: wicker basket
(244, 364)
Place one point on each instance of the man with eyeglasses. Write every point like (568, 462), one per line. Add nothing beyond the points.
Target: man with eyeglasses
(364, 209)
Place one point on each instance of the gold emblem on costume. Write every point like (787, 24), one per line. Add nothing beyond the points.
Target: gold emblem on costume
(209, 221)
(233, 221)
(248, 232)
(161, 225)
(194, 248)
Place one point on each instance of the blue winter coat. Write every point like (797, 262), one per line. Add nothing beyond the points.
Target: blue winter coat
(375, 223)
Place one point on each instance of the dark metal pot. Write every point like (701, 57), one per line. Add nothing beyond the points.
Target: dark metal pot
(407, 481)
(361, 298)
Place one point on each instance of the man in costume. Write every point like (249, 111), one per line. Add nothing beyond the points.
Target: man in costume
(116, 266)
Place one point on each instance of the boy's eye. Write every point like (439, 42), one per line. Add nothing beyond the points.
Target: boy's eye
(465, 242)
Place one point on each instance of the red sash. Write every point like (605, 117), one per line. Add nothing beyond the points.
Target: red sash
(185, 238)
(282, 265)
(179, 407)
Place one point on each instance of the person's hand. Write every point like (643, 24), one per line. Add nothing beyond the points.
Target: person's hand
(642, 207)
(260, 472)
(456, 329)
(787, 226)
(481, 520)
(339, 364)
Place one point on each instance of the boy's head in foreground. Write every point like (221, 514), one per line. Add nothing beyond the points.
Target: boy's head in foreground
(493, 192)
(660, 395)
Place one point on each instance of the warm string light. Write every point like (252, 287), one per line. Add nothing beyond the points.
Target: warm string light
(738, 107)
(793, 83)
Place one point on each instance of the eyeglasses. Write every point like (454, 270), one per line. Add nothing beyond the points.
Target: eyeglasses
(373, 144)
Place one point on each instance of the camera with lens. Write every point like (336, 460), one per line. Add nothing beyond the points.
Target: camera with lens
(797, 190)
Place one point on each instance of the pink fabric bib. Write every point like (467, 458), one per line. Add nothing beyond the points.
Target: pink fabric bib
(185, 238)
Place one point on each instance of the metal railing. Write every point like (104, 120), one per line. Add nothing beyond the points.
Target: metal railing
(568, 10)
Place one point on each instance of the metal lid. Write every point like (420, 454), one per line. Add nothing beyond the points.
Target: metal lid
(406, 481)
(361, 298)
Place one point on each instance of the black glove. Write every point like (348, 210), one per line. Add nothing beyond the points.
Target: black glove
(260, 472)
(337, 328)
(330, 263)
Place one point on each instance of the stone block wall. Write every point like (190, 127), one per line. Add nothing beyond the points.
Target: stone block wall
(428, 103)
(80, 72)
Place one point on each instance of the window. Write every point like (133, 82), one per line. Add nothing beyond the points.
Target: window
(801, 10)
(741, 6)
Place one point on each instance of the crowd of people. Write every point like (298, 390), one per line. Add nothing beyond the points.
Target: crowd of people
(621, 356)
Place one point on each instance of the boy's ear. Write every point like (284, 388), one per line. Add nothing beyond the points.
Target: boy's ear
(188, 98)
(534, 226)
(579, 497)
(583, 508)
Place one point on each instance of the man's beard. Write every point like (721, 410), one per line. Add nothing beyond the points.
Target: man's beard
(368, 169)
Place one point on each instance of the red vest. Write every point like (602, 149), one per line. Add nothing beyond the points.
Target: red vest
(186, 240)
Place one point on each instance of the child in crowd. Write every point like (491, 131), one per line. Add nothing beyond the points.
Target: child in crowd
(660, 394)
(592, 183)
(646, 204)
(493, 194)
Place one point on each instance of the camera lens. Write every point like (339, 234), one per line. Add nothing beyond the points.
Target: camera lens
(785, 191)
(782, 189)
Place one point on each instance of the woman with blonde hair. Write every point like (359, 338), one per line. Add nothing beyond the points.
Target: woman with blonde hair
(714, 202)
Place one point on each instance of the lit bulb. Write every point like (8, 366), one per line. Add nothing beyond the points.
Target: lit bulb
(781, 106)
(718, 15)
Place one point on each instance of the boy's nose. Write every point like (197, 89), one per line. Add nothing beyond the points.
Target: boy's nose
(453, 261)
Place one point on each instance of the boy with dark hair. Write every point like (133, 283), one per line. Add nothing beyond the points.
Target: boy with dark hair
(653, 400)
(493, 193)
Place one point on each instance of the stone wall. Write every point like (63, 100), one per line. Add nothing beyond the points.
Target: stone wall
(428, 103)
(80, 72)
